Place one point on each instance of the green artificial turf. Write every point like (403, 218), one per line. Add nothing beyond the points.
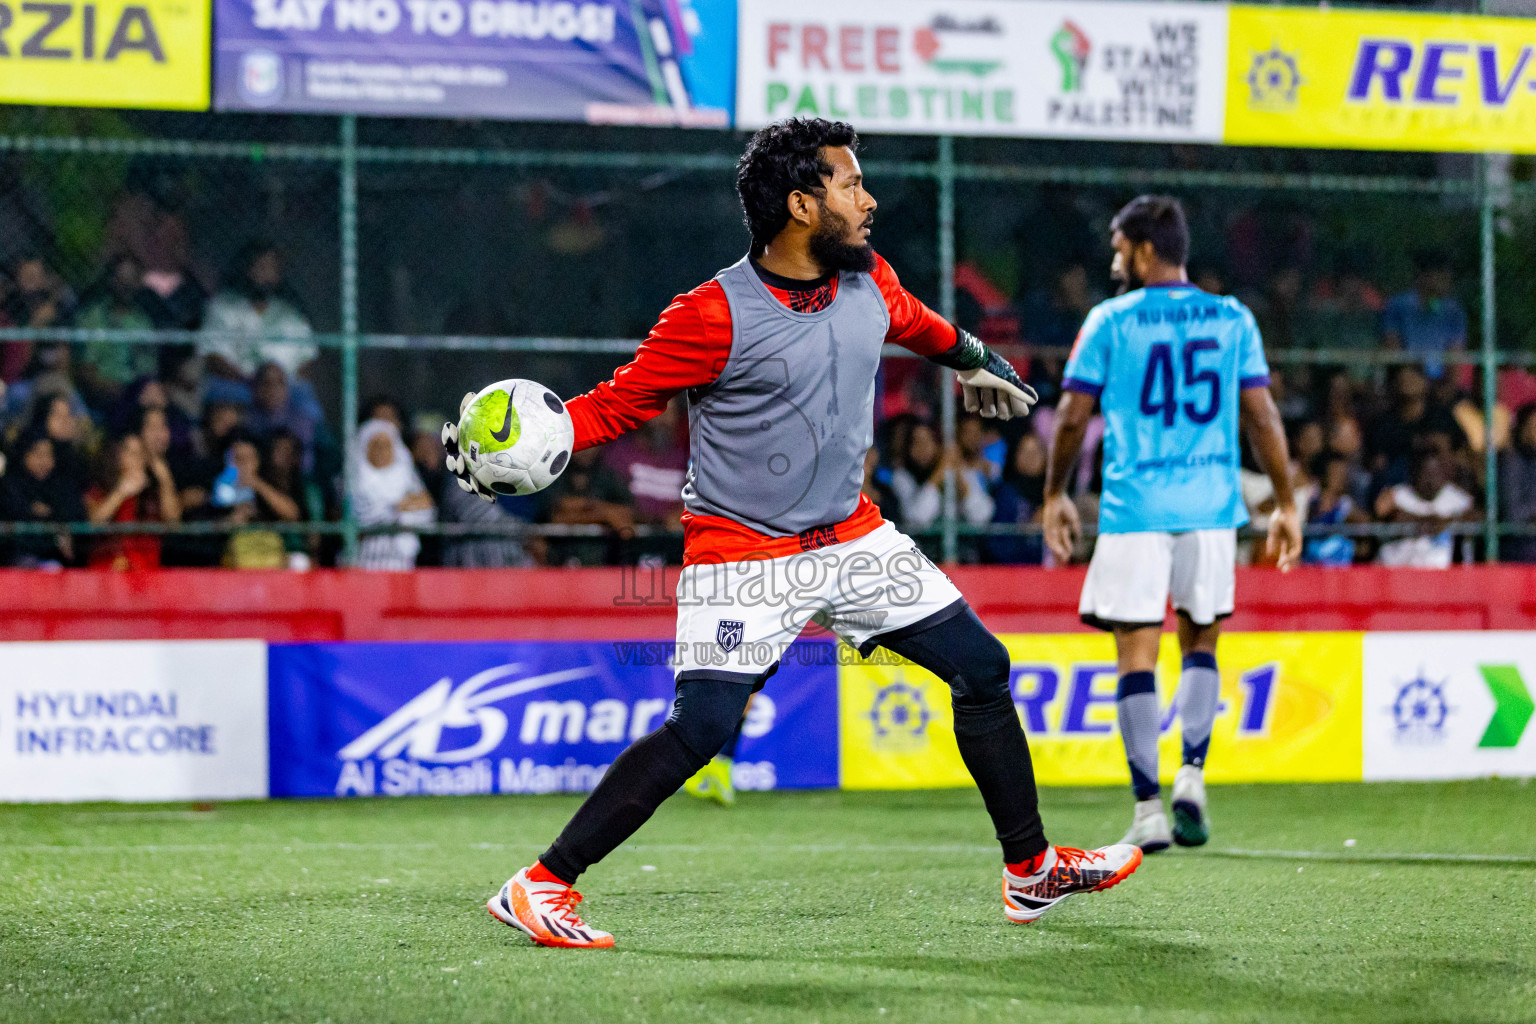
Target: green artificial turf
(789, 907)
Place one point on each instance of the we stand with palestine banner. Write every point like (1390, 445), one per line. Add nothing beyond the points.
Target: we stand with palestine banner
(1030, 67)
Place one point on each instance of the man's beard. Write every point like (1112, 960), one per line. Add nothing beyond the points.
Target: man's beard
(831, 250)
(1128, 281)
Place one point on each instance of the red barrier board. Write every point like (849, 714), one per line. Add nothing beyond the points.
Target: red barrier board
(533, 604)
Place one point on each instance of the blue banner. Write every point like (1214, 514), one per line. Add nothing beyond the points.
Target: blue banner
(387, 719)
(646, 62)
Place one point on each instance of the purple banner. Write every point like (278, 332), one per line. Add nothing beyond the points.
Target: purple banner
(403, 719)
(599, 61)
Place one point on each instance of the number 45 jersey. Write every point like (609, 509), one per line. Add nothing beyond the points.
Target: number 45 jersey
(1167, 364)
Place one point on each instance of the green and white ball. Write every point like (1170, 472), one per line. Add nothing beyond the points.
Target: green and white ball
(517, 436)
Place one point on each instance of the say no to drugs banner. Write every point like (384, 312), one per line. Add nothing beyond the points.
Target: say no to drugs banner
(610, 61)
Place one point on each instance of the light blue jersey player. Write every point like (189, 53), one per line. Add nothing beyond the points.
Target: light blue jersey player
(1175, 370)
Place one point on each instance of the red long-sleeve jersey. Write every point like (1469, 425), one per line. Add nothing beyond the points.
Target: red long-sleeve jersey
(689, 348)
(689, 345)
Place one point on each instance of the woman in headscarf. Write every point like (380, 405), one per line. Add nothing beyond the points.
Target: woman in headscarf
(386, 490)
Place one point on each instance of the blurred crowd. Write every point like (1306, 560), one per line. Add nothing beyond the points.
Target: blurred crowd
(226, 432)
(223, 433)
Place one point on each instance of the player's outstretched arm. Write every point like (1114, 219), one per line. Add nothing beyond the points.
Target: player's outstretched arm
(1062, 524)
(988, 383)
(1262, 423)
(687, 348)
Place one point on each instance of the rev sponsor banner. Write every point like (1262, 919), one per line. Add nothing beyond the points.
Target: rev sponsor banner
(1449, 705)
(1289, 712)
(105, 53)
(1381, 80)
(653, 62)
(133, 720)
(980, 67)
(401, 719)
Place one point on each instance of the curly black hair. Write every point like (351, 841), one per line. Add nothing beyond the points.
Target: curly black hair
(782, 158)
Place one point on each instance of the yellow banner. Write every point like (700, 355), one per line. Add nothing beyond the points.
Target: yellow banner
(1380, 80)
(106, 53)
(1290, 712)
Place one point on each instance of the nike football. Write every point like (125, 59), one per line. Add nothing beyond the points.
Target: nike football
(517, 436)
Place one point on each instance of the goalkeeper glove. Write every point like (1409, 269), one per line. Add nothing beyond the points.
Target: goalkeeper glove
(458, 462)
(988, 383)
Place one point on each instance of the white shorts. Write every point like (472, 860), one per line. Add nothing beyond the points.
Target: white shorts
(735, 619)
(1133, 575)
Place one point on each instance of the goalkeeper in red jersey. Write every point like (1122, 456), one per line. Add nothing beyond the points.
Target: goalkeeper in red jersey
(777, 356)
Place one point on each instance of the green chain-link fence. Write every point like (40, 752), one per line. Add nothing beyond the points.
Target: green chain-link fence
(430, 257)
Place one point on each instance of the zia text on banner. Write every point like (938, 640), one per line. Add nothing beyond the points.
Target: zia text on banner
(105, 53)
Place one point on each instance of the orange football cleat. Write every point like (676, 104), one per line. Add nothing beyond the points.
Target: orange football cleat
(546, 911)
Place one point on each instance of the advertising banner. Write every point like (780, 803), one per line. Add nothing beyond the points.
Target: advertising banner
(982, 67)
(133, 720)
(380, 719)
(105, 53)
(1380, 80)
(601, 61)
(1290, 712)
(1449, 705)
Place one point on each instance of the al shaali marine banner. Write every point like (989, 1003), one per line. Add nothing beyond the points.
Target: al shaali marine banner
(403, 719)
(1380, 80)
(986, 67)
(106, 53)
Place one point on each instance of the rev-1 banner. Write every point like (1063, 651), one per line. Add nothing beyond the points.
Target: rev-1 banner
(660, 62)
(397, 719)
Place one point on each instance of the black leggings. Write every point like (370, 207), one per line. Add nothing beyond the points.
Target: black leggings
(956, 647)
(952, 644)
